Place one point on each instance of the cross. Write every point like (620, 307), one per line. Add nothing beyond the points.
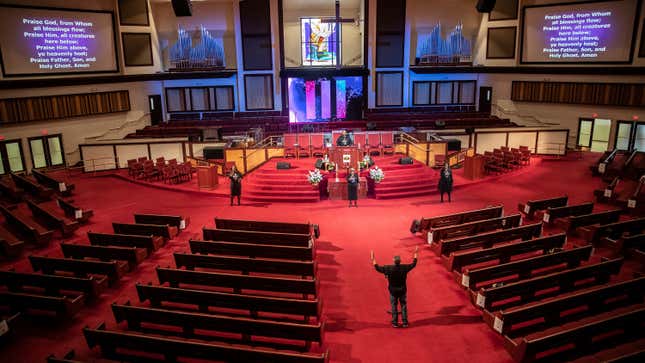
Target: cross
(337, 20)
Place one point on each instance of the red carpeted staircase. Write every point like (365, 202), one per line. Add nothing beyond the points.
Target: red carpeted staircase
(402, 181)
(269, 184)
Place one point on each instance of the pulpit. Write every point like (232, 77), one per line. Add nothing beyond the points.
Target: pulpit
(338, 189)
(474, 167)
(207, 177)
(345, 156)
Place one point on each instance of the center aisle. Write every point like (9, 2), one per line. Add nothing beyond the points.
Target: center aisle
(444, 326)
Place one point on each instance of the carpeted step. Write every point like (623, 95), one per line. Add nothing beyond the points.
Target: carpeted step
(404, 183)
(409, 187)
(262, 186)
(278, 193)
(268, 199)
(409, 194)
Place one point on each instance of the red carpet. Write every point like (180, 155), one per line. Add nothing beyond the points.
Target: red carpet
(444, 327)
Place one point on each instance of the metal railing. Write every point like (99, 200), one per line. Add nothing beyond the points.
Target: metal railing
(91, 165)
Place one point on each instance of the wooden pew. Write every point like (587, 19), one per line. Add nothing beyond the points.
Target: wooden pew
(563, 280)
(176, 221)
(72, 211)
(177, 277)
(9, 190)
(31, 231)
(150, 243)
(49, 182)
(171, 349)
(60, 306)
(132, 255)
(10, 245)
(252, 250)
(246, 264)
(503, 253)
(81, 268)
(264, 226)
(142, 229)
(67, 358)
(472, 228)
(552, 214)
(529, 208)
(426, 224)
(31, 187)
(266, 238)
(51, 220)
(189, 321)
(252, 303)
(523, 320)
(53, 284)
(616, 229)
(486, 240)
(572, 223)
(524, 268)
(604, 330)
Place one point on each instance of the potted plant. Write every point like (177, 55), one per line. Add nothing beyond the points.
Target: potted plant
(377, 174)
(314, 177)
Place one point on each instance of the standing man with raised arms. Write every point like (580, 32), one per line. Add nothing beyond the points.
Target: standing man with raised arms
(396, 276)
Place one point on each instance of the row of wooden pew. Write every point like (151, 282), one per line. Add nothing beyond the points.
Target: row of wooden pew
(549, 300)
(36, 223)
(253, 290)
(85, 270)
(624, 175)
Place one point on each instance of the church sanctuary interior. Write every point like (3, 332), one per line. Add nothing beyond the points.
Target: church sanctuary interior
(299, 181)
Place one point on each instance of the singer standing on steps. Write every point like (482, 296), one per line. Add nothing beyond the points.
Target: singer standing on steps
(236, 184)
(397, 275)
(445, 181)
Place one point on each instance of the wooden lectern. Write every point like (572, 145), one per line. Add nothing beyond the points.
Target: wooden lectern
(345, 156)
(474, 167)
(207, 177)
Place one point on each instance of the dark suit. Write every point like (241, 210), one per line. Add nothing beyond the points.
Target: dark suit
(396, 276)
(352, 187)
(236, 185)
(344, 140)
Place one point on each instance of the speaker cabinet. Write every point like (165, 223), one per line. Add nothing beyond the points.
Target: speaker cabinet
(405, 160)
(283, 165)
(182, 7)
(485, 6)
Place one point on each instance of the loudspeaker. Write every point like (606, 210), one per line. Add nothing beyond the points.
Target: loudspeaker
(182, 7)
(212, 152)
(405, 160)
(454, 144)
(469, 130)
(319, 163)
(283, 165)
(485, 6)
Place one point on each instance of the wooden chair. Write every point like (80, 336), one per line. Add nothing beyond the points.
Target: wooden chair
(289, 142)
(304, 145)
(387, 143)
(318, 148)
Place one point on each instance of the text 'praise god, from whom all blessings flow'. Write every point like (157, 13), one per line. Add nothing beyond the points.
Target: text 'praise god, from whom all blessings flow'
(576, 35)
(60, 43)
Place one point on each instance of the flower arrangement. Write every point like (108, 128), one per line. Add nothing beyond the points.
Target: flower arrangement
(377, 174)
(314, 177)
(366, 162)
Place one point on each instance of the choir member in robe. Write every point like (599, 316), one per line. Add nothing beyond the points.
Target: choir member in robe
(236, 184)
(352, 187)
(344, 139)
(445, 181)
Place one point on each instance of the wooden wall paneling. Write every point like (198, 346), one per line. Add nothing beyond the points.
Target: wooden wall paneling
(62, 106)
(605, 94)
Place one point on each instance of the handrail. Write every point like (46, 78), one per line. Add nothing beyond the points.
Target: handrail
(610, 157)
(267, 141)
(405, 137)
(93, 164)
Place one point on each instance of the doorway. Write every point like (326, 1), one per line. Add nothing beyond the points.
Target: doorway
(594, 134)
(485, 99)
(47, 151)
(11, 157)
(156, 110)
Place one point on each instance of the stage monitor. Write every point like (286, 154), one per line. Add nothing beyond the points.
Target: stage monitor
(588, 32)
(325, 99)
(45, 41)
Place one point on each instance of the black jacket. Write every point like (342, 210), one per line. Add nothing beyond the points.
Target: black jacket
(396, 276)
